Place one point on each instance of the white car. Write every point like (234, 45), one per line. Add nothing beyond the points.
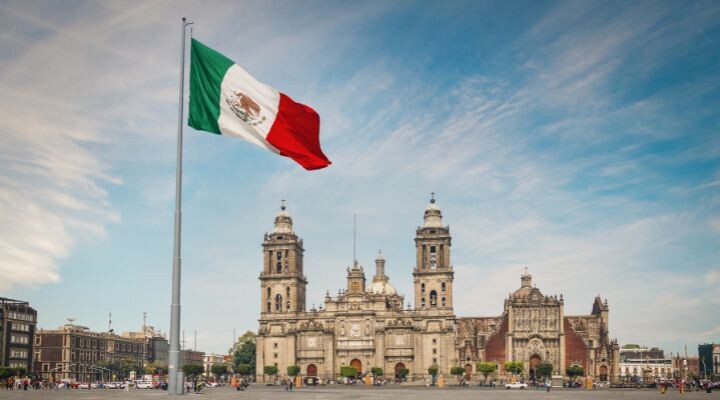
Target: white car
(84, 386)
(516, 385)
(112, 385)
(143, 384)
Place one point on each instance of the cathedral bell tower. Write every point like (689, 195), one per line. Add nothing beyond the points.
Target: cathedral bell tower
(433, 274)
(282, 281)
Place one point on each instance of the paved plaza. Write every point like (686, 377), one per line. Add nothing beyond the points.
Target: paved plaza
(368, 393)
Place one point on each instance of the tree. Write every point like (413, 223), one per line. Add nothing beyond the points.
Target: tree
(486, 368)
(245, 354)
(219, 369)
(377, 371)
(433, 370)
(348, 372)
(543, 370)
(7, 372)
(457, 371)
(293, 370)
(192, 370)
(271, 370)
(514, 367)
(244, 369)
(575, 371)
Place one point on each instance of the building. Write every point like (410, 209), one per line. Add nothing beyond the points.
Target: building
(77, 354)
(366, 325)
(191, 357)
(637, 362)
(707, 361)
(17, 328)
(686, 366)
(716, 358)
(157, 348)
(215, 359)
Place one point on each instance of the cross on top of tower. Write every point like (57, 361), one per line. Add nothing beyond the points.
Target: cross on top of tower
(432, 197)
(282, 206)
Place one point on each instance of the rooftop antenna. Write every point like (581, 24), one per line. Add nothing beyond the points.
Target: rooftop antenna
(110, 329)
(195, 339)
(70, 320)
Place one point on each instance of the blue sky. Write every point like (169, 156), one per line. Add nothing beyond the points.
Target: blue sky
(579, 139)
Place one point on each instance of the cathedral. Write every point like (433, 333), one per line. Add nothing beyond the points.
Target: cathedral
(366, 325)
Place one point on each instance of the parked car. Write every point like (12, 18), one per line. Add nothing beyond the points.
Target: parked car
(517, 385)
(83, 385)
(143, 384)
(112, 385)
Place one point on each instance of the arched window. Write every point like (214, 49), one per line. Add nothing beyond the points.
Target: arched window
(422, 288)
(278, 302)
(287, 291)
(433, 298)
(287, 306)
(278, 267)
(443, 302)
(422, 303)
(268, 293)
(269, 306)
(442, 286)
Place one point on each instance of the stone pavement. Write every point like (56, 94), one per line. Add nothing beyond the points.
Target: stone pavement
(366, 393)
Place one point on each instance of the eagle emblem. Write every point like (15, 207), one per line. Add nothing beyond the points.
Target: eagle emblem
(245, 108)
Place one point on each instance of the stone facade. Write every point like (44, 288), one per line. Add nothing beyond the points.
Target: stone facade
(366, 326)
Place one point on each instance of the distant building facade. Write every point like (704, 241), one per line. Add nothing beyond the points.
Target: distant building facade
(18, 322)
(635, 361)
(685, 366)
(367, 325)
(157, 348)
(707, 353)
(74, 353)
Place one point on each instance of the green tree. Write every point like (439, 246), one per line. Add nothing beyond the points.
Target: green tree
(486, 368)
(244, 369)
(543, 370)
(377, 371)
(293, 370)
(457, 371)
(245, 354)
(271, 370)
(574, 371)
(192, 370)
(348, 372)
(433, 371)
(219, 369)
(514, 367)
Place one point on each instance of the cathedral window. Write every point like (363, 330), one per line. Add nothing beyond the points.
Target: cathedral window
(433, 298)
(443, 302)
(287, 305)
(433, 257)
(422, 288)
(268, 293)
(278, 302)
(269, 306)
(287, 291)
(278, 267)
(442, 287)
(422, 303)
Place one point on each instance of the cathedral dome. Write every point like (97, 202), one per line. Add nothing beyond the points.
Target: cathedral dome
(381, 287)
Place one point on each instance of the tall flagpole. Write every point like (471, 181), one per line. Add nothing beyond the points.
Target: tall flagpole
(175, 384)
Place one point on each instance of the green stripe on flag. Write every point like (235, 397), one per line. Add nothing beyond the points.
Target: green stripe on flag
(207, 70)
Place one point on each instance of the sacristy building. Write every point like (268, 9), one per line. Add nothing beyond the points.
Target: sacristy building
(366, 325)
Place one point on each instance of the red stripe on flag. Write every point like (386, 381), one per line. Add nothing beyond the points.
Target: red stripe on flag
(296, 133)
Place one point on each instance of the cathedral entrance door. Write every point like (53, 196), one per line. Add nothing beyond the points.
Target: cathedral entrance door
(357, 364)
(312, 370)
(399, 367)
(603, 374)
(534, 361)
(468, 371)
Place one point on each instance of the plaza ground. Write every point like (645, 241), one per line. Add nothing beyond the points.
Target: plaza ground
(366, 393)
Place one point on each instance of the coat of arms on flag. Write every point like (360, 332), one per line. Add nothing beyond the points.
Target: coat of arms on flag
(245, 108)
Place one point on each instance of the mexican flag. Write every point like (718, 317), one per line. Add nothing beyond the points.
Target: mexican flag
(226, 100)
